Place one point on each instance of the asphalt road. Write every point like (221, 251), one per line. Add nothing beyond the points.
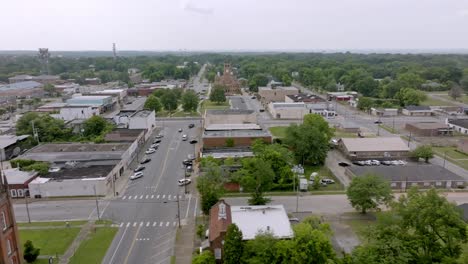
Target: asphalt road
(146, 211)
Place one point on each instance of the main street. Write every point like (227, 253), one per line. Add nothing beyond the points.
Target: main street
(147, 211)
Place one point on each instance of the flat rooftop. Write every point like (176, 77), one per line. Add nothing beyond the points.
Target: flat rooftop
(142, 113)
(306, 98)
(78, 172)
(428, 125)
(15, 176)
(236, 133)
(280, 105)
(123, 135)
(8, 140)
(20, 85)
(233, 127)
(229, 112)
(418, 173)
(254, 219)
(459, 122)
(291, 88)
(377, 144)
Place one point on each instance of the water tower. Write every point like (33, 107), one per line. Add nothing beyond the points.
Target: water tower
(44, 56)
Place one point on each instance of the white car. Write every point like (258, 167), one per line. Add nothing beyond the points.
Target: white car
(136, 175)
(154, 146)
(184, 137)
(368, 163)
(375, 162)
(401, 162)
(183, 182)
(150, 151)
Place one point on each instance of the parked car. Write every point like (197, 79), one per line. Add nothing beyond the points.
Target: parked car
(327, 181)
(180, 130)
(139, 168)
(191, 157)
(253, 97)
(387, 162)
(150, 151)
(188, 169)
(261, 110)
(183, 182)
(187, 162)
(184, 137)
(294, 220)
(157, 141)
(191, 126)
(159, 136)
(359, 163)
(136, 175)
(154, 146)
(193, 141)
(368, 163)
(343, 164)
(145, 160)
(375, 162)
(378, 122)
(399, 162)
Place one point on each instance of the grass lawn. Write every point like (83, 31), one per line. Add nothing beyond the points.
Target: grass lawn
(185, 114)
(341, 134)
(279, 131)
(43, 261)
(58, 223)
(50, 241)
(463, 99)
(389, 129)
(93, 249)
(453, 156)
(207, 104)
(435, 102)
(323, 172)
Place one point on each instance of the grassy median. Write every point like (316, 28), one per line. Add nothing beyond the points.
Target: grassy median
(94, 248)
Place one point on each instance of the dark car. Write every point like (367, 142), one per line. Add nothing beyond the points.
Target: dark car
(187, 162)
(378, 122)
(156, 141)
(343, 164)
(191, 125)
(193, 141)
(159, 136)
(139, 168)
(145, 160)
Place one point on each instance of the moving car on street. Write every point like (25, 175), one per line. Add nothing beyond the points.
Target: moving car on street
(191, 125)
(156, 141)
(187, 162)
(193, 141)
(180, 130)
(184, 137)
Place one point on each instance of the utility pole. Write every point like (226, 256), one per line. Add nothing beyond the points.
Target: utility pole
(27, 208)
(409, 139)
(97, 204)
(113, 183)
(393, 125)
(445, 157)
(178, 210)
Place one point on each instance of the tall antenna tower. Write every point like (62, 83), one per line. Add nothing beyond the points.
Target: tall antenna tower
(114, 51)
(44, 56)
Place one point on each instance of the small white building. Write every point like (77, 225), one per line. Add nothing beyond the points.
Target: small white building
(143, 119)
(417, 110)
(384, 111)
(72, 112)
(287, 110)
(458, 125)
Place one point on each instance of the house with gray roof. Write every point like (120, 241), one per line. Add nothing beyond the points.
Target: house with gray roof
(417, 110)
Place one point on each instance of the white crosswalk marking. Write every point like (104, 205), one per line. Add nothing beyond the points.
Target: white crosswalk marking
(136, 197)
(134, 224)
(164, 196)
(167, 224)
(141, 224)
(121, 224)
(180, 196)
(175, 223)
(155, 223)
(141, 197)
(161, 224)
(169, 197)
(146, 197)
(152, 196)
(147, 224)
(124, 197)
(128, 224)
(157, 197)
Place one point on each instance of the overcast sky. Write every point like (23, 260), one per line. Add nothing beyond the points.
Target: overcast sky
(233, 24)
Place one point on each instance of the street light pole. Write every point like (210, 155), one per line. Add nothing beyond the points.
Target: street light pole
(27, 208)
(97, 204)
(178, 210)
(445, 156)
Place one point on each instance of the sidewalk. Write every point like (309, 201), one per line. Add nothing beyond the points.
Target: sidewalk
(85, 230)
(183, 250)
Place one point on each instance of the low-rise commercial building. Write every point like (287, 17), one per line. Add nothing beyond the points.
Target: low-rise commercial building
(287, 110)
(44, 79)
(18, 181)
(380, 148)
(104, 103)
(417, 110)
(142, 119)
(9, 235)
(423, 176)
(10, 146)
(250, 220)
(29, 89)
(275, 94)
(342, 96)
(429, 129)
(384, 112)
(72, 112)
(458, 125)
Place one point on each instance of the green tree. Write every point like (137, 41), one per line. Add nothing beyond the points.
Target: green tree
(50, 89)
(258, 79)
(96, 126)
(261, 249)
(368, 192)
(30, 252)
(365, 103)
(464, 82)
(210, 186)
(48, 128)
(311, 244)
(455, 91)
(206, 257)
(233, 246)
(153, 103)
(201, 231)
(229, 142)
(217, 94)
(169, 101)
(410, 80)
(190, 101)
(309, 141)
(423, 152)
(278, 156)
(256, 176)
(286, 79)
(408, 96)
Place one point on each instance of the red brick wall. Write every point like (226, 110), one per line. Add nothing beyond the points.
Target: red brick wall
(10, 233)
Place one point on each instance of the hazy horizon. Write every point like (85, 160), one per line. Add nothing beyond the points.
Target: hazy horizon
(241, 25)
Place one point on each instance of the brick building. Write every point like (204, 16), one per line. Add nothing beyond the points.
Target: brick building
(429, 129)
(9, 236)
(228, 80)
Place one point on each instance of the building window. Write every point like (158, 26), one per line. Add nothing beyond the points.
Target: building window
(438, 183)
(4, 222)
(13, 193)
(8, 246)
(427, 183)
(414, 184)
(393, 184)
(460, 183)
(20, 193)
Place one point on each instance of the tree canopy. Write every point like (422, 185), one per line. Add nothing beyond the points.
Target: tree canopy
(217, 94)
(190, 101)
(368, 192)
(153, 103)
